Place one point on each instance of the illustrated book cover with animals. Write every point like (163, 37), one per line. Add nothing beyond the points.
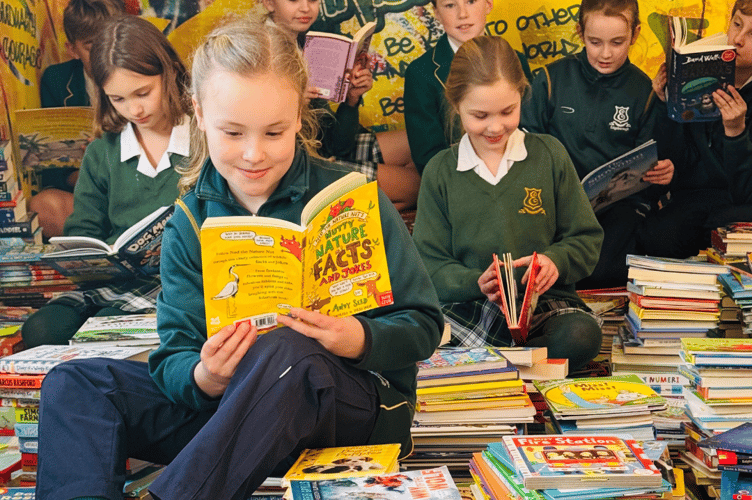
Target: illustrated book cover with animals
(621, 176)
(137, 251)
(424, 484)
(333, 262)
(43, 358)
(346, 461)
(517, 322)
(331, 57)
(695, 68)
(559, 461)
(598, 394)
(454, 360)
(131, 329)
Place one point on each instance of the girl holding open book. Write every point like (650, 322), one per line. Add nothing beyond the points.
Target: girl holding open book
(600, 106)
(501, 190)
(384, 156)
(229, 411)
(127, 173)
(714, 160)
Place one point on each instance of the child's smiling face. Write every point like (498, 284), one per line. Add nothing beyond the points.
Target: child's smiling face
(463, 19)
(251, 124)
(295, 16)
(607, 41)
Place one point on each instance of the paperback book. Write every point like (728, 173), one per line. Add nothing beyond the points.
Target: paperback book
(518, 323)
(105, 331)
(333, 262)
(620, 177)
(455, 360)
(43, 358)
(717, 351)
(343, 462)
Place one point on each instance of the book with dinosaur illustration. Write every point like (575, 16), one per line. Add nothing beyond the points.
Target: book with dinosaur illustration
(333, 262)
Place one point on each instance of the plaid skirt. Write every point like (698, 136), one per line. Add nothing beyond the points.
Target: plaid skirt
(480, 322)
(135, 296)
(366, 155)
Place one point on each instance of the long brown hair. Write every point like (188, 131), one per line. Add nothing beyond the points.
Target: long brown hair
(132, 43)
(246, 48)
(83, 18)
(482, 61)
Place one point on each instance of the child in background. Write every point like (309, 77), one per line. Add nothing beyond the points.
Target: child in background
(425, 107)
(502, 190)
(384, 156)
(140, 118)
(600, 105)
(229, 411)
(714, 159)
(62, 85)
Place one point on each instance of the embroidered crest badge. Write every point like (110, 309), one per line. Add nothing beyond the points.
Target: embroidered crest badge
(532, 204)
(620, 119)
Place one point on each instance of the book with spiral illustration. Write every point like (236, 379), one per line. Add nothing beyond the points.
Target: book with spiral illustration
(333, 262)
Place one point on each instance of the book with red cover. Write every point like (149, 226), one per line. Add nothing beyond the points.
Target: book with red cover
(518, 324)
(672, 303)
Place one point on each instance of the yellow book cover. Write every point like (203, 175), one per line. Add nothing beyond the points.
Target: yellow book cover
(695, 315)
(346, 461)
(334, 261)
(474, 404)
(470, 388)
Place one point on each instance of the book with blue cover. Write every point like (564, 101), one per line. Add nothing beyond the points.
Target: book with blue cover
(736, 485)
(738, 439)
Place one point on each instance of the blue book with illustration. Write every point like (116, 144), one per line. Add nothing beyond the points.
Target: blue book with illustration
(736, 485)
(738, 439)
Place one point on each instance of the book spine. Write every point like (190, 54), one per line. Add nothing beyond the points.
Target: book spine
(28, 445)
(731, 458)
(27, 430)
(8, 381)
(14, 228)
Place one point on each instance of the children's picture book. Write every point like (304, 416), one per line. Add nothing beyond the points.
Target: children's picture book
(738, 440)
(571, 461)
(522, 355)
(51, 138)
(739, 286)
(424, 484)
(518, 323)
(694, 70)
(675, 265)
(331, 57)
(717, 351)
(676, 290)
(594, 395)
(43, 358)
(333, 262)
(343, 462)
(136, 252)
(455, 360)
(620, 177)
(736, 485)
(656, 276)
(105, 331)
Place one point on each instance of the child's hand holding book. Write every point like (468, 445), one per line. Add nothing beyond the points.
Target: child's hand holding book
(220, 356)
(733, 109)
(361, 81)
(343, 337)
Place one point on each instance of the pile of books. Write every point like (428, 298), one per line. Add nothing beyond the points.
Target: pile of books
(732, 451)
(560, 467)
(17, 226)
(737, 284)
(732, 242)
(669, 299)
(467, 397)
(720, 373)
(25, 280)
(602, 405)
(21, 377)
(610, 304)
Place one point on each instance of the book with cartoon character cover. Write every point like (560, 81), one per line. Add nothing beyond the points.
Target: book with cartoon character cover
(695, 68)
(425, 484)
(90, 261)
(333, 262)
(347, 461)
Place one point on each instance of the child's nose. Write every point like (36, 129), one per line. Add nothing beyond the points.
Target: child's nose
(253, 153)
(739, 39)
(463, 10)
(136, 109)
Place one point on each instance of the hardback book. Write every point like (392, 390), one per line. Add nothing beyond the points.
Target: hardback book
(43, 358)
(453, 360)
(24, 227)
(501, 480)
(545, 369)
(694, 70)
(331, 57)
(726, 392)
(670, 324)
(569, 461)
(125, 330)
(333, 262)
(671, 314)
(675, 265)
(51, 138)
(620, 177)
(596, 395)
(736, 485)
(423, 484)
(472, 403)
(723, 241)
(517, 414)
(135, 253)
(675, 290)
(477, 377)
(517, 322)
(716, 376)
(739, 286)
(717, 351)
(674, 303)
(638, 273)
(485, 389)
(343, 462)
(523, 356)
(16, 381)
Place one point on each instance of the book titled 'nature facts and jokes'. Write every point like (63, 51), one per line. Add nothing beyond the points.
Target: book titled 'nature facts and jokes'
(333, 262)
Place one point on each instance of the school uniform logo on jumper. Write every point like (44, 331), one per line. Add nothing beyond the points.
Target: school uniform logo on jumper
(567, 110)
(621, 119)
(532, 204)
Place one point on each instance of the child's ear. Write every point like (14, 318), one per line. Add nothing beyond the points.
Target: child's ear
(198, 113)
(489, 6)
(70, 49)
(635, 34)
(269, 4)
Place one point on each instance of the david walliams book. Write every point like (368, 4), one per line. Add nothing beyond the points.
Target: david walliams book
(333, 262)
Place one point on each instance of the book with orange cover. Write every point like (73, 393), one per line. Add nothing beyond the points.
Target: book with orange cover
(518, 324)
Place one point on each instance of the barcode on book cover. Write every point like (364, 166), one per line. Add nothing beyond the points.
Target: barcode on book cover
(261, 322)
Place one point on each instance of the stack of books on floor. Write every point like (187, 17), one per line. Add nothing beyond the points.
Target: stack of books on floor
(533, 364)
(610, 304)
(738, 285)
(602, 405)
(17, 226)
(562, 467)
(720, 373)
(467, 397)
(701, 464)
(732, 450)
(27, 282)
(369, 471)
(731, 243)
(21, 377)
